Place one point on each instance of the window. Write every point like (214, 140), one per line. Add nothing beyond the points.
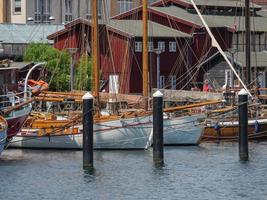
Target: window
(150, 46)
(161, 45)
(42, 11)
(89, 11)
(162, 82)
(172, 46)
(138, 47)
(173, 82)
(124, 5)
(68, 10)
(17, 6)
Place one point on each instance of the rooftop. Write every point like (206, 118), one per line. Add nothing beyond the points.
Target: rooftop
(135, 28)
(14, 65)
(26, 33)
(258, 59)
(131, 28)
(257, 23)
(222, 3)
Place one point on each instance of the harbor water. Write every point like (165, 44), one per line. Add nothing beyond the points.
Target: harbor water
(210, 171)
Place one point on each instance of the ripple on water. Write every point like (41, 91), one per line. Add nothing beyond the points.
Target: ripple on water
(210, 171)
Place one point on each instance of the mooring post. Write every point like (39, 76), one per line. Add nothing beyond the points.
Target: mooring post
(158, 156)
(243, 124)
(88, 121)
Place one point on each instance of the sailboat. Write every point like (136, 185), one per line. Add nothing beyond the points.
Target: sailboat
(226, 126)
(132, 130)
(14, 108)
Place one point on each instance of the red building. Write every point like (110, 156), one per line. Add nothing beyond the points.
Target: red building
(174, 26)
(121, 51)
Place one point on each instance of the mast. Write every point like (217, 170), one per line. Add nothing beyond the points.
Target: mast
(95, 51)
(247, 52)
(145, 49)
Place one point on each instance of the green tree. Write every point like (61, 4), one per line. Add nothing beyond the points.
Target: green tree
(57, 67)
(83, 71)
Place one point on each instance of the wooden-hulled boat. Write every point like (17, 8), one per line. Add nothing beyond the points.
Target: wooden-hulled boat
(127, 133)
(132, 130)
(229, 131)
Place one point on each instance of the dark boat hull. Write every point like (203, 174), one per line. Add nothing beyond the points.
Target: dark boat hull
(231, 132)
(16, 121)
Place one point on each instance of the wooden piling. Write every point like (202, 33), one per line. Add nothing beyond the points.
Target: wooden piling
(158, 154)
(243, 125)
(88, 156)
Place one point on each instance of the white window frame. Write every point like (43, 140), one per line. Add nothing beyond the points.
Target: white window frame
(172, 46)
(124, 5)
(89, 10)
(17, 4)
(150, 46)
(68, 14)
(162, 82)
(173, 82)
(161, 45)
(138, 46)
(40, 16)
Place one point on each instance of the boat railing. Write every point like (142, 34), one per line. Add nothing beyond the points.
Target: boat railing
(12, 99)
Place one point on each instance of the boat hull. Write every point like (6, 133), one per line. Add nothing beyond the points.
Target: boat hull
(182, 131)
(133, 133)
(16, 121)
(229, 131)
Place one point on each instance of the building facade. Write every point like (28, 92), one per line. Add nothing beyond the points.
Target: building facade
(60, 11)
(121, 52)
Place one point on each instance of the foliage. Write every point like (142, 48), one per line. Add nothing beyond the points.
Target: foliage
(57, 67)
(83, 73)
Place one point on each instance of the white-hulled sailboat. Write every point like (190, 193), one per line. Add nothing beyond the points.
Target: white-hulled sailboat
(120, 132)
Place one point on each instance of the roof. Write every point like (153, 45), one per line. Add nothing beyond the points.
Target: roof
(222, 3)
(26, 33)
(130, 28)
(15, 65)
(258, 59)
(257, 23)
(134, 28)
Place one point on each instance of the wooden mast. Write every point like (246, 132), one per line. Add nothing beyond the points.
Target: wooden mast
(145, 49)
(95, 51)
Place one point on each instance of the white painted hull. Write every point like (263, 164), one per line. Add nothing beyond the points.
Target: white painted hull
(121, 134)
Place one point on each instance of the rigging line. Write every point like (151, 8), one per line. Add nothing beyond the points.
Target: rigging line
(169, 17)
(192, 30)
(197, 69)
(183, 53)
(205, 10)
(215, 43)
(191, 71)
(200, 60)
